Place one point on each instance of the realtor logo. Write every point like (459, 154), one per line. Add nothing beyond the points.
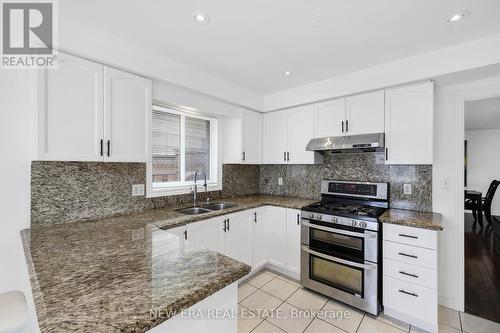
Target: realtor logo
(28, 34)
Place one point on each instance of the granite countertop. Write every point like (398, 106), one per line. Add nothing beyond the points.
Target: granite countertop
(108, 275)
(409, 218)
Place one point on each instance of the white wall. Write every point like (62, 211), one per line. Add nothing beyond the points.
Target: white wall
(483, 166)
(16, 149)
(473, 54)
(448, 165)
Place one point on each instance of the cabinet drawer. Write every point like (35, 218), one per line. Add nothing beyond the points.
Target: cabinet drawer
(411, 236)
(411, 300)
(422, 276)
(410, 254)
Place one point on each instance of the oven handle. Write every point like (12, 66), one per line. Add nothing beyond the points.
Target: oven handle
(340, 261)
(339, 231)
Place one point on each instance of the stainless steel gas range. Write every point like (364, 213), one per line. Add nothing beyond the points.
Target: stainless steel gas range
(340, 242)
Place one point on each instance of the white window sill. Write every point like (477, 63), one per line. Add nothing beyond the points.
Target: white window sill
(178, 190)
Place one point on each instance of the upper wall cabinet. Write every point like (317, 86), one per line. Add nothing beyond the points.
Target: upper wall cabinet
(365, 113)
(251, 138)
(329, 118)
(242, 139)
(275, 137)
(286, 135)
(70, 111)
(409, 124)
(88, 112)
(127, 116)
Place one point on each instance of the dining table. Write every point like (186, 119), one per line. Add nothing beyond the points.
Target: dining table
(476, 198)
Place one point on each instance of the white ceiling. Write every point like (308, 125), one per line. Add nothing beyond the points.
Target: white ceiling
(482, 114)
(251, 43)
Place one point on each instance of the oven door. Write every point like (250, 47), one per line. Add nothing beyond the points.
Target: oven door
(347, 281)
(348, 243)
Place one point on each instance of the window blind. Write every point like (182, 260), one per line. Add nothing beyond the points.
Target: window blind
(197, 147)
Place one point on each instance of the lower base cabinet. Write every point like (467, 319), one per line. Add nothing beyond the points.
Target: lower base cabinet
(410, 275)
(276, 229)
(260, 239)
(293, 240)
(238, 236)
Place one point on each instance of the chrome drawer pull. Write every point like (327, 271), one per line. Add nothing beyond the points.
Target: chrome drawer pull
(408, 274)
(408, 236)
(407, 293)
(408, 255)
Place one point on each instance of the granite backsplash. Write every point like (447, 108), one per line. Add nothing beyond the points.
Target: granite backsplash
(63, 192)
(304, 180)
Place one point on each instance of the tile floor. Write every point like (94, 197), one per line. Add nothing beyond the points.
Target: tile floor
(270, 302)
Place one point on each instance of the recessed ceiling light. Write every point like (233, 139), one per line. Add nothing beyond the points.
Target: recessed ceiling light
(287, 73)
(458, 16)
(201, 18)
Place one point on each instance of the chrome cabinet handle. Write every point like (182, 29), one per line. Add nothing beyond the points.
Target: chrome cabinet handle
(288, 156)
(342, 126)
(227, 224)
(339, 231)
(408, 236)
(347, 126)
(408, 255)
(102, 147)
(109, 147)
(284, 156)
(243, 157)
(340, 261)
(185, 234)
(407, 293)
(408, 274)
(255, 217)
(298, 219)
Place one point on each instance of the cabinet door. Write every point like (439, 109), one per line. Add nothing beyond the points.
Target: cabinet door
(409, 124)
(365, 113)
(276, 222)
(293, 240)
(300, 132)
(127, 111)
(275, 137)
(208, 233)
(70, 116)
(238, 237)
(329, 118)
(252, 138)
(260, 238)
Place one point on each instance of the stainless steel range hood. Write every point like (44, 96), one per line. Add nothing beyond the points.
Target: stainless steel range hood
(348, 144)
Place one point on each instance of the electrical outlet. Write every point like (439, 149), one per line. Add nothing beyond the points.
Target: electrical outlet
(407, 188)
(137, 190)
(280, 181)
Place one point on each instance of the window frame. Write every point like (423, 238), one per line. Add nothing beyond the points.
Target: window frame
(214, 180)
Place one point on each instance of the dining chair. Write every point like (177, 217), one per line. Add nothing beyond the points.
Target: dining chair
(488, 200)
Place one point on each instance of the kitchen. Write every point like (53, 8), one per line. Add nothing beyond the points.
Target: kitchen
(142, 191)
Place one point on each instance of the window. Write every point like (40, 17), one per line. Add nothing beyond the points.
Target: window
(182, 143)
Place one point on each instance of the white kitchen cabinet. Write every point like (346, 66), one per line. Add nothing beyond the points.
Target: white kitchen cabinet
(409, 124)
(286, 135)
(89, 112)
(238, 236)
(70, 116)
(293, 240)
(208, 233)
(410, 262)
(276, 228)
(251, 138)
(275, 137)
(329, 118)
(127, 110)
(299, 132)
(365, 113)
(260, 239)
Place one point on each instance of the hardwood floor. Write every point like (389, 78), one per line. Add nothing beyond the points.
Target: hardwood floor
(482, 270)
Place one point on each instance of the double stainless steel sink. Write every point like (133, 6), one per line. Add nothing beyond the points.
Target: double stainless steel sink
(206, 208)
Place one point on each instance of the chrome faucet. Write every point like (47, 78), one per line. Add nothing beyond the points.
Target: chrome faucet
(195, 190)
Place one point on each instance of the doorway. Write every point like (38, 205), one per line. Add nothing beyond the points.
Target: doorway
(482, 207)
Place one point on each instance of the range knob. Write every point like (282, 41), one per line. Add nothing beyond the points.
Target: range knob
(319, 217)
(363, 225)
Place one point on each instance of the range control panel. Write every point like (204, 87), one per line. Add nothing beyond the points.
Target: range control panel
(355, 189)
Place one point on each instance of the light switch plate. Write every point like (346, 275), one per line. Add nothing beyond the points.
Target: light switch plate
(280, 181)
(407, 188)
(137, 190)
